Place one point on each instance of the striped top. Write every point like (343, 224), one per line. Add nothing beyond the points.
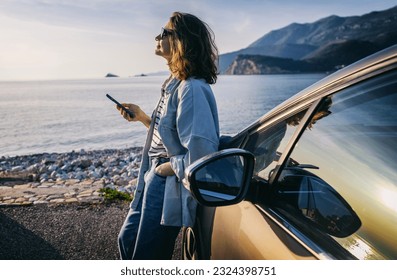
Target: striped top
(157, 148)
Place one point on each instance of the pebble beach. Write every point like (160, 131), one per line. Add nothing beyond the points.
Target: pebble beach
(51, 206)
(76, 176)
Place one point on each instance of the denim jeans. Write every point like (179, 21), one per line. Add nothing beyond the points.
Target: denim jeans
(142, 237)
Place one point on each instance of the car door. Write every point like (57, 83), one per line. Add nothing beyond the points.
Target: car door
(324, 183)
(238, 231)
(248, 230)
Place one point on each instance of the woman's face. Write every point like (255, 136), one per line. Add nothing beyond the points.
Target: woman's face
(163, 44)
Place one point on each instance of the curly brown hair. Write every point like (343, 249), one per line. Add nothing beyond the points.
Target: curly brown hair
(193, 49)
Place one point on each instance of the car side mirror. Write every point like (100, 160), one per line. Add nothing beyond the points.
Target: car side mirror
(221, 178)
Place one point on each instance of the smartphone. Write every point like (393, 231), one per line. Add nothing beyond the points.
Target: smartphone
(131, 114)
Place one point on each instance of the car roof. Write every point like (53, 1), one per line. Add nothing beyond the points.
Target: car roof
(372, 65)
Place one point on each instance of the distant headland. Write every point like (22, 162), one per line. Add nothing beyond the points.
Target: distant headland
(110, 75)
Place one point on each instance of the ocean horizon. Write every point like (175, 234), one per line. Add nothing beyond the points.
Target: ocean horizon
(57, 116)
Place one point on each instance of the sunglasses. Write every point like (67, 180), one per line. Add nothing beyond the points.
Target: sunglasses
(164, 33)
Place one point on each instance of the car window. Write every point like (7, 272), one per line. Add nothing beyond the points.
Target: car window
(268, 143)
(351, 150)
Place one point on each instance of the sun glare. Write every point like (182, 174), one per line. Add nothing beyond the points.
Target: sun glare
(389, 198)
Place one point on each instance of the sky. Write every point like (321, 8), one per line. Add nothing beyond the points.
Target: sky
(79, 39)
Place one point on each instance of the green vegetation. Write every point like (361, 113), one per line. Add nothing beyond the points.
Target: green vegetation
(111, 195)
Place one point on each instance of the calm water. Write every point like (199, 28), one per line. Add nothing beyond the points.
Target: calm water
(61, 116)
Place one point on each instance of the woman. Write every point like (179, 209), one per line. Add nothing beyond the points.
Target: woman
(183, 128)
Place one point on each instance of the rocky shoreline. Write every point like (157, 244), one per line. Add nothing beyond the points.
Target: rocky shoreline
(67, 216)
(67, 177)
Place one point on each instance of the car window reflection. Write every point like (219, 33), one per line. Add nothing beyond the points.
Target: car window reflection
(268, 145)
(315, 202)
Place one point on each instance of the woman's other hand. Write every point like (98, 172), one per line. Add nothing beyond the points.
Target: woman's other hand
(165, 169)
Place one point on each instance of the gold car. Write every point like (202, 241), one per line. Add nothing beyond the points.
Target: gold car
(315, 178)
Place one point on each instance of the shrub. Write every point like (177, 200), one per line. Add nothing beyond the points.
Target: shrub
(111, 195)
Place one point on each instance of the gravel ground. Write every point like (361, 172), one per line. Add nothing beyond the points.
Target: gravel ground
(62, 232)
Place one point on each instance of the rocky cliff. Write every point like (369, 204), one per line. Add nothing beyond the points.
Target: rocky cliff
(324, 45)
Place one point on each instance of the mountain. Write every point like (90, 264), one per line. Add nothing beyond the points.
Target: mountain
(325, 44)
(328, 58)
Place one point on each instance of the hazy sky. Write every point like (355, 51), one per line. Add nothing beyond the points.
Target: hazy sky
(67, 39)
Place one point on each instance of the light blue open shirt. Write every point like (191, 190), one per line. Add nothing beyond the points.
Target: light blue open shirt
(189, 129)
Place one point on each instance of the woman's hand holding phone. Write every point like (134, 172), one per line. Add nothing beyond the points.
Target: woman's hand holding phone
(122, 107)
(132, 108)
(131, 112)
(139, 115)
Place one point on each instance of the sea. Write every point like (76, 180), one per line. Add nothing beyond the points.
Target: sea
(70, 115)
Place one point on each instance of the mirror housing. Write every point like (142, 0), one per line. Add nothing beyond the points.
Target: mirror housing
(221, 178)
